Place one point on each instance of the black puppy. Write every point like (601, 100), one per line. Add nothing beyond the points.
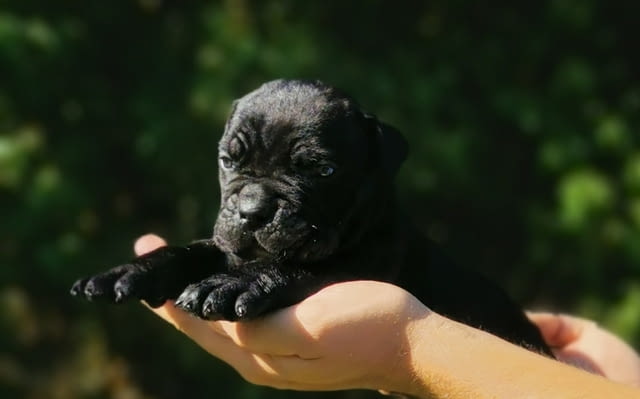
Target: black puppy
(307, 200)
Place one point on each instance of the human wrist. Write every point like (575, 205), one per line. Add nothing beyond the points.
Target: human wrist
(396, 372)
(444, 360)
(422, 373)
(453, 360)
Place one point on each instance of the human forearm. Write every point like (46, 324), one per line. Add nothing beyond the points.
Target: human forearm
(453, 360)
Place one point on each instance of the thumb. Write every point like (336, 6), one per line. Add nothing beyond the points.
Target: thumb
(559, 330)
(148, 243)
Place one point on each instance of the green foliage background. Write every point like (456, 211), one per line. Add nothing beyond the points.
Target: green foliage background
(523, 120)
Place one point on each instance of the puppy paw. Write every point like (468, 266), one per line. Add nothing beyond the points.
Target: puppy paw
(260, 296)
(116, 285)
(213, 298)
(228, 297)
(124, 282)
(154, 277)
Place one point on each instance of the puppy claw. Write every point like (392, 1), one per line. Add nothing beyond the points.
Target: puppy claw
(76, 288)
(90, 290)
(119, 296)
(241, 310)
(213, 310)
(186, 304)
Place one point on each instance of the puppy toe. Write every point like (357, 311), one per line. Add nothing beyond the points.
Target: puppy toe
(106, 286)
(124, 288)
(213, 298)
(219, 305)
(99, 287)
(191, 298)
(252, 303)
(77, 288)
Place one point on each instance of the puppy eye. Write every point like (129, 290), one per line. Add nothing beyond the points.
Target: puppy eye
(326, 170)
(226, 163)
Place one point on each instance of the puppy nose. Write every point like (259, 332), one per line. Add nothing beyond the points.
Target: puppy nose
(254, 203)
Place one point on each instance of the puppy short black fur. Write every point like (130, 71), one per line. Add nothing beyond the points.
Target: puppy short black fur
(307, 200)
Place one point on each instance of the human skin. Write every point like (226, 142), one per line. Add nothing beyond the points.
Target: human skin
(583, 343)
(391, 342)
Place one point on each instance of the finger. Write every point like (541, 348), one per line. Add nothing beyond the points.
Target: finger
(261, 369)
(186, 322)
(559, 330)
(292, 372)
(278, 334)
(299, 329)
(207, 334)
(148, 243)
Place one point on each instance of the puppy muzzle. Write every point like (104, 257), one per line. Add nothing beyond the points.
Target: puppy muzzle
(256, 204)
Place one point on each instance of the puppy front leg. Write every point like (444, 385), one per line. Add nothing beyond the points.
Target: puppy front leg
(154, 277)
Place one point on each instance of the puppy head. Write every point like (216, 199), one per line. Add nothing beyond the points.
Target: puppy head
(303, 173)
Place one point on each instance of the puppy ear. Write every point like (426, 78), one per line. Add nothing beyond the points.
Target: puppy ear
(234, 105)
(391, 146)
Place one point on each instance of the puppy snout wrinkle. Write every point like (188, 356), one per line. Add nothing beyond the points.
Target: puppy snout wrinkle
(255, 203)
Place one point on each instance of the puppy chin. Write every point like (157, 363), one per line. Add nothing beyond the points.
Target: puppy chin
(267, 248)
(250, 246)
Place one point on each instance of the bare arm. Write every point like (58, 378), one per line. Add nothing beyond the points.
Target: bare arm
(390, 341)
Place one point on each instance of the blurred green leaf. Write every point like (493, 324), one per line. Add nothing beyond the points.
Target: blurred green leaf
(17, 149)
(625, 318)
(583, 194)
(612, 133)
(634, 211)
(631, 174)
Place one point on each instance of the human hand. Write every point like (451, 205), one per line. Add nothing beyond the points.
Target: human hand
(334, 340)
(330, 341)
(584, 344)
